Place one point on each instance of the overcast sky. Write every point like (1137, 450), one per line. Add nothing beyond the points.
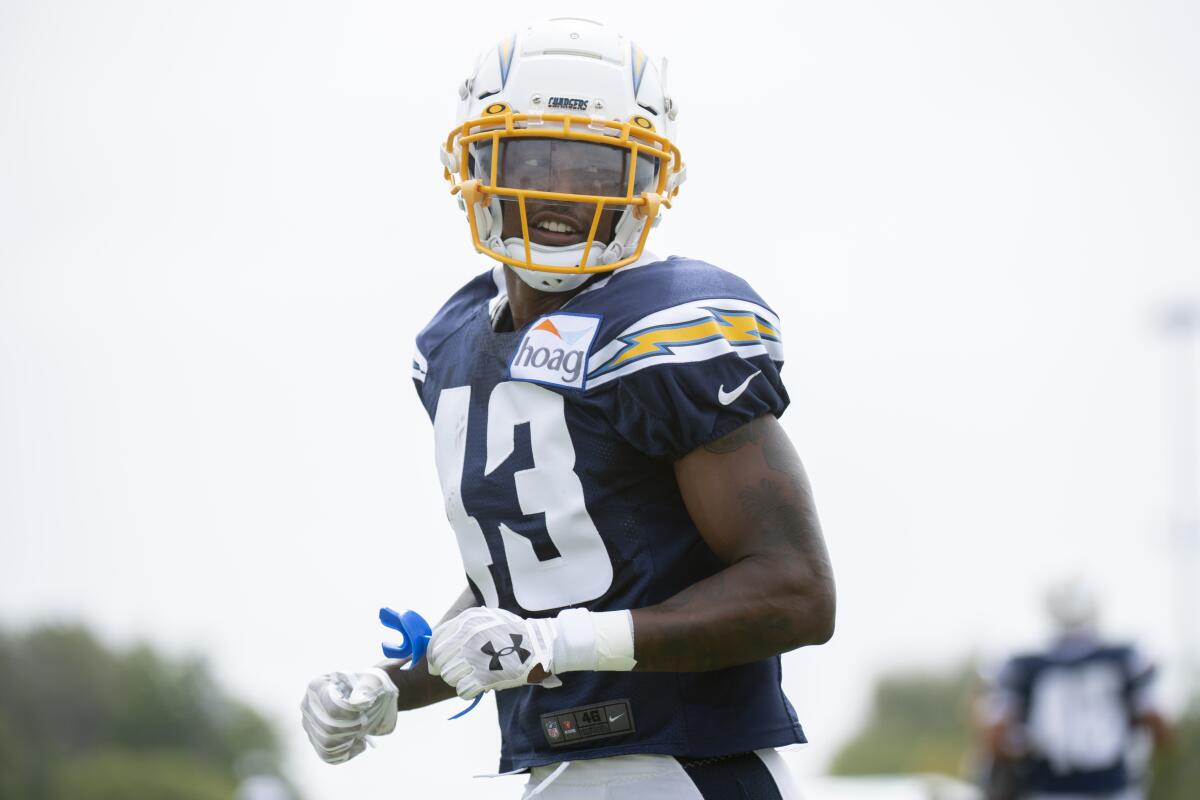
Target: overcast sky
(222, 223)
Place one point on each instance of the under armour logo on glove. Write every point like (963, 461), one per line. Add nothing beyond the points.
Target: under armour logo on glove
(490, 650)
(471, 653)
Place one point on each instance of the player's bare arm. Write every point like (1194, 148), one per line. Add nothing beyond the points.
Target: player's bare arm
(417, 687)
(749, 496)
(1160, 730)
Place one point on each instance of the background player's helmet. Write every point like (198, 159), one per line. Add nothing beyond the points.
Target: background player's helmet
(1072, 606)
(562, 156)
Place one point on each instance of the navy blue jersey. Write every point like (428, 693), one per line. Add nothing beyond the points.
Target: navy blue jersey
(1075, 704)
(555, 446)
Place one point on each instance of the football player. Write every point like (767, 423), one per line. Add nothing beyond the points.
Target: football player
(637, 532)
(1059, 723)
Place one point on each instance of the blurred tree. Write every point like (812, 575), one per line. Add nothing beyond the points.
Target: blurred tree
(124, 775)
(80, 721)
(14, 782)
(918, 722)
(1176, 773)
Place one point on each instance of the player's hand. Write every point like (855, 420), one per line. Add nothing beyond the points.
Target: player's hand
(341, 709)
(490, 648)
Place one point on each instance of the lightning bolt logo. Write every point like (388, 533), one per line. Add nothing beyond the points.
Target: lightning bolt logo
(736, 327)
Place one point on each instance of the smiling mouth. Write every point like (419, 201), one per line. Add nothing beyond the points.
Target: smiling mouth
(556, 229)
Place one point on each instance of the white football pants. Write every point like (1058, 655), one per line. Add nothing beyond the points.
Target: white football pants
(762, 775)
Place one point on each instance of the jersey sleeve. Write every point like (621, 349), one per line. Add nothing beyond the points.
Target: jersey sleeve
(1005, 690)
(1141, 679)
(691, 373)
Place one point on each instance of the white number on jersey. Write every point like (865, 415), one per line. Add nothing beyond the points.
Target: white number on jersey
(582, 571)
(1077, 717)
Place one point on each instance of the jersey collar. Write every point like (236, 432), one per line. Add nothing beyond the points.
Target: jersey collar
(499, 300)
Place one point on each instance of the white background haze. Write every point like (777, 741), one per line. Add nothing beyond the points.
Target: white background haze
(222, 224)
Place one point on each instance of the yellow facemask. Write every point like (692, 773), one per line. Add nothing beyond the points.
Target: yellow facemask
(643, 151)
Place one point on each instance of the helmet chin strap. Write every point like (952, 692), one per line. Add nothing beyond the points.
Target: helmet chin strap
(629, 228)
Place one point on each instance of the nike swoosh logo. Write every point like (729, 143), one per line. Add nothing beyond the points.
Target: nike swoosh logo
(725, 398)
(617, 717)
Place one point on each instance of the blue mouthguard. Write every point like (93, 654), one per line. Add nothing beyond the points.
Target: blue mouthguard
(416, 632)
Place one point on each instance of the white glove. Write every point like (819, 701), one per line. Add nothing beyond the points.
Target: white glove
(490, 648)
(341, 709)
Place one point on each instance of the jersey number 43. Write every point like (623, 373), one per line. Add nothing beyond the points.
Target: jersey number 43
(582, 571)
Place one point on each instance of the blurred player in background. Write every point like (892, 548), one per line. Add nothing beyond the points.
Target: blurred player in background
(1065, 723)
(637, 532)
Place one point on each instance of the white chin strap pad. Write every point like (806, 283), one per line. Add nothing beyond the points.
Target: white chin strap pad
(567, 256)
(550, 281)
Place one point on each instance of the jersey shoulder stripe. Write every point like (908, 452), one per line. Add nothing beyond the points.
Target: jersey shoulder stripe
(420, 366)
(686, 333)
(676, 311)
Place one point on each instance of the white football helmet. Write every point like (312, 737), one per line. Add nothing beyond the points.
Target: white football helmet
(1072, 606)
(562, 156)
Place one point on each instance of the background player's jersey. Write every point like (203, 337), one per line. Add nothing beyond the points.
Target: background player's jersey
(555, 446)
(1076, 704)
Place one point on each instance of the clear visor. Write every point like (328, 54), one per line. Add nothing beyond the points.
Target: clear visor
(564, 165)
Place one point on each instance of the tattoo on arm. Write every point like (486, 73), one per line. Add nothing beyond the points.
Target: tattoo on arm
(773, 512)
(776, 449)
